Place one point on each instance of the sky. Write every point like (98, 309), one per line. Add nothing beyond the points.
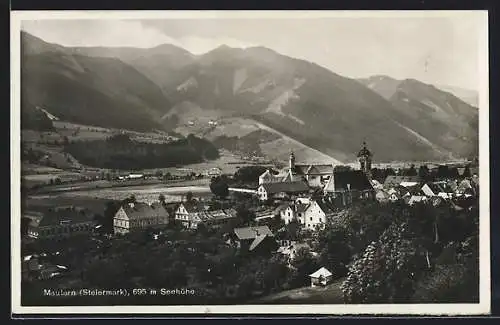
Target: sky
(442, 50)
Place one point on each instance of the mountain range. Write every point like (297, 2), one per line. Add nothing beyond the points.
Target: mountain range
(246, 90)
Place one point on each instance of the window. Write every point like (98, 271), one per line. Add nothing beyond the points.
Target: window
(311, 219)
(320, 220)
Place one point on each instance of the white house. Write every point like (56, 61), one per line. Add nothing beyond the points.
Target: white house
(315, 215)
(139, 215)
(321, 277)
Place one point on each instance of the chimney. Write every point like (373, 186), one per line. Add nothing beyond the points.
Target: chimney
(349, 187)
(131, 204)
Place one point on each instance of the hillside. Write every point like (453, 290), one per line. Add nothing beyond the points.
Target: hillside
(437, 116)
(307, 106)
(306, 102)
(471, 97)
(89, 90)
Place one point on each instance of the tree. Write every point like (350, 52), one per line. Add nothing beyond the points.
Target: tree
(442, 172)
(423, 173)
(333, 248)
(249, 174)
(467, 172)
(189, 196)
(342, 168)
(303, 264)
(161, 198)
(388, 269)
(410, 171)
(219, 186)
(244, 215)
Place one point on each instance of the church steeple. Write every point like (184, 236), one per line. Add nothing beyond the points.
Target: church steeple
(291, 162)
(365, 159)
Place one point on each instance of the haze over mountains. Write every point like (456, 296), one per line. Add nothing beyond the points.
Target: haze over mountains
(247, 90)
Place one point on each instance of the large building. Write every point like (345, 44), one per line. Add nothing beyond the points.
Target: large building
(192, 214)
(136, 216)
(60, 222)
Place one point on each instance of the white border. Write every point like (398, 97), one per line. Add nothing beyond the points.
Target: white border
(413, 309)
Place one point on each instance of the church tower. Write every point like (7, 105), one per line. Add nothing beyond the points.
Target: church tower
(291, 163)
(365, 159)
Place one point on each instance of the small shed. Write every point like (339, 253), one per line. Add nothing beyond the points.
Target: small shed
(321, 277)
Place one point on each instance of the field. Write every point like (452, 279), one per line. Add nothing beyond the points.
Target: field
(41, 204)
(84, 132)
(144, 193)
(331, 294)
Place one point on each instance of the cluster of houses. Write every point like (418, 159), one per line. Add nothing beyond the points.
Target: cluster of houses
(307, 194)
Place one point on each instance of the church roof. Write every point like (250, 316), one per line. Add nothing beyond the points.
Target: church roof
(354, 180)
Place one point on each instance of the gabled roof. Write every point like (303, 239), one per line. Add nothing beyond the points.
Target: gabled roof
(140, 210)
(301, 208)
(193, 206)
(320, 169)
(325, 206)
(259, 239)
(323, 272)
(283, 207)
(354, 180)
(288, 187)
(300, 169)
(246, 233)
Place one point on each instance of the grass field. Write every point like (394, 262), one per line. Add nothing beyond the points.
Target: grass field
(331, 294)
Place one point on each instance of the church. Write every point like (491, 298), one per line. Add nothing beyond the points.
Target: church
(348, 185)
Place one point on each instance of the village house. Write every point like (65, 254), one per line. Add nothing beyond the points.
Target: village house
(139, 215)
(316, 214)
(437, 189)
(290, 211)
(192, 214)
(259, 239)
(321, 277)
(187, 214)
(60, 222)
(281, 190)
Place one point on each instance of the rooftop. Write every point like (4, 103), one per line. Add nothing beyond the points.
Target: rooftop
(141, 210)
(289, 187)
(252, 232)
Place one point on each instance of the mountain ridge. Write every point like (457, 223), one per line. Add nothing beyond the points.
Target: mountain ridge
(298, 98)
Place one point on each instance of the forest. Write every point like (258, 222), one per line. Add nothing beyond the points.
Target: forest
(121, 152)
